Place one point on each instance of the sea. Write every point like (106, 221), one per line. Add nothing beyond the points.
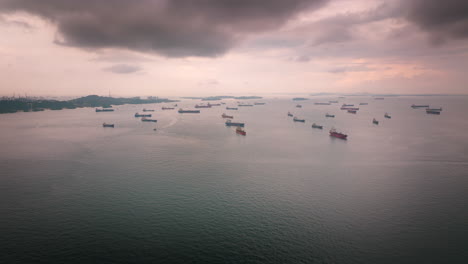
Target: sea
(194, 191)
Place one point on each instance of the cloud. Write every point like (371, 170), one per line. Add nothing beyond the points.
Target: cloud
(443, 20)
(172, 28)
(123, 69)
(16, 22)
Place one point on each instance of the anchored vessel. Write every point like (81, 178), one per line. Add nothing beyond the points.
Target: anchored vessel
(322, 103)
(167, 108)
(148, 110)
(328, 115)
(375, 121)
(182, 111)
(244, 105)
(240, 131)
(230, 123)
(104, 110)
(387, 116)
(203, 106)
(299, 106)
(432, 112)
(231, 108)
(107, 125)
(352, 111)
(142, 115)
(334, 133)
(259, 103)
(289, 114)
(419, 106)
(144, 119)
(316, 126)
(298, 120)
(363, 103)
(226, 116)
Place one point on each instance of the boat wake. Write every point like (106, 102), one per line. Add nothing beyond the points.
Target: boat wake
(173, 122)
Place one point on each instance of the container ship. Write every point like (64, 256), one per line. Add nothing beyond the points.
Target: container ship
(144, 119)
(142, 115)
(182, 111)
(104, 110)
(334, 133)
(298, 120)
(240, 131)
(227, 116)
(230, 123)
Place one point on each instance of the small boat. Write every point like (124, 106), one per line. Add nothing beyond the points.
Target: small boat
(328, 115)
(104, 110)
(203, 106)
(226, 116)
(375, 121)
(142, 115)
(148, 110)
(419, 106)
(363, 103)
(107, 125)
(352, 111)
(231, 108)
(334, 133)
(387, 116)
(298, 120)
(182, 111)
(299, 106)
(433, 112)
(322, 103)
(259, 103)
(240, 131)
(289, 114)
(230, 123)
(317, 126)
(144, 119)
(167, 108)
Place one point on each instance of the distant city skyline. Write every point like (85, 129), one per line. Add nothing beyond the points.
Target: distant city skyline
(223, 47)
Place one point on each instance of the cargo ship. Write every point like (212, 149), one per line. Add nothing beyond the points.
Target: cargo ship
(142, 115)
(333, 102)
(148, 110)
(379, 98)
(363, 103)
(434, 109)
(299, 106)
(352, 111)
(259, 103)
(203, 106)
(289, 114)
(107, 125)
(231, 108)
(432, 112)
(240, 131)
(213, 104)
(317, 126)
(419, 106)
(349, 108)
(298, 120)
(167, 108)
(387, 116)
(346, 105)
(322, 103)
(182, 111)
(334, 133)
(104, 110)
(244, 105)
(144, 119)
(375, 122)
(230, 123)
(328, 115)
(226, 116)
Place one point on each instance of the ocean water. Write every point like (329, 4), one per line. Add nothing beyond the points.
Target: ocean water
(194, 191)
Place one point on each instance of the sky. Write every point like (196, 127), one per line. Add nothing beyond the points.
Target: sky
(232, 47)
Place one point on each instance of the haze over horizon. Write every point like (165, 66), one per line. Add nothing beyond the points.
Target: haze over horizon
(218, 47)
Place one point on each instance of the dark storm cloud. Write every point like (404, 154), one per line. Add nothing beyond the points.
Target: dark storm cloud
(174, 28)
(123, 69)
(444, 20)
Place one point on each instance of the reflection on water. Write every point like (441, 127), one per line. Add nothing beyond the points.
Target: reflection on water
(195, 192)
